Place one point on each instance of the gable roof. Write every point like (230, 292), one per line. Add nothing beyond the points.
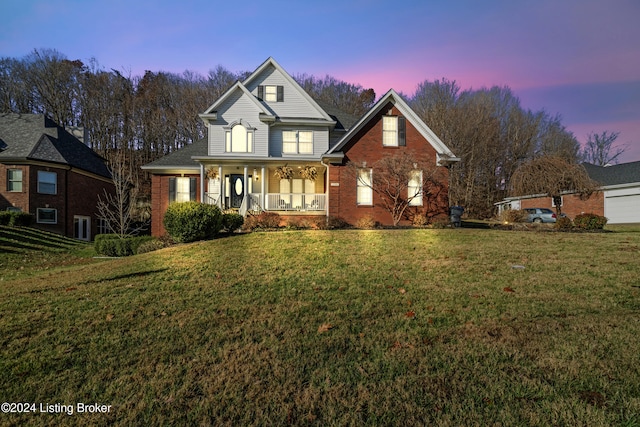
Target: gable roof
(210, 113)
(624, 173)
(35, 137)
(272, 62)
(443, 152)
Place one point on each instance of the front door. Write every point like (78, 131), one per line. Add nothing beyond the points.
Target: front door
(237, 190)
(82, 227)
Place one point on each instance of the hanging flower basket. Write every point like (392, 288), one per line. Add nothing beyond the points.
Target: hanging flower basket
(284, 172)
(212, 173)
(309, 172)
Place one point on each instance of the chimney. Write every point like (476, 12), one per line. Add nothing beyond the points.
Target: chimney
(79, 132)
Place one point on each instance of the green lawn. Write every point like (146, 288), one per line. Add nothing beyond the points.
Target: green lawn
(394, 327)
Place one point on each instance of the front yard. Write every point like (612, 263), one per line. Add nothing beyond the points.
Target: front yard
(376, 327)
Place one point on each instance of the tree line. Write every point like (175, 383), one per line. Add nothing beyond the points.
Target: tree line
(149, 116)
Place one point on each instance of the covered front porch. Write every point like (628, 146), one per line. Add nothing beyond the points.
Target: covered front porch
(249, 187)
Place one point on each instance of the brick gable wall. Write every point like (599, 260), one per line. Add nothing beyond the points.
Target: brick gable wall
(367, 146)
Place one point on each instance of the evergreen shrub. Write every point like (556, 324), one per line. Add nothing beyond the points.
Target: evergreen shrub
(190, 221)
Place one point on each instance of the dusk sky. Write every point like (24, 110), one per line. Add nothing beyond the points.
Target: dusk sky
(576, 58)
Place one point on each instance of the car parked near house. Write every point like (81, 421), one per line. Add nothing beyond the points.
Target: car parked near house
(540, 215)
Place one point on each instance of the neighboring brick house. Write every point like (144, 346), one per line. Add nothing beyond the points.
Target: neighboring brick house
(266, 131)
(47, 171)
(618, 197)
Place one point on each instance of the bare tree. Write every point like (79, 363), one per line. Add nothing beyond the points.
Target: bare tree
(599, 149)
(400, 179)
(119, 209)
(552, 176)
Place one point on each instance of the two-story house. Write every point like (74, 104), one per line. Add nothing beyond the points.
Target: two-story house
(49, 172)
(271, 147)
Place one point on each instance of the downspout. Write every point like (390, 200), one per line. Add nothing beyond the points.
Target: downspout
(202, 183)
(66, 203)
(326, 186)
(263, 196)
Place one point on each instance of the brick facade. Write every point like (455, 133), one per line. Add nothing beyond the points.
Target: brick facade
(571, 204)
(76, 195)
(160, 200)
(367, 146)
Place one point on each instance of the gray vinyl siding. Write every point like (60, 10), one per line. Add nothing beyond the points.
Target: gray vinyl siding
(294, 105)
(320, 141)
(237, 107)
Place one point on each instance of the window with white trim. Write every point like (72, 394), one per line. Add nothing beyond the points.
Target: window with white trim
(14, 180)
(182, 189)
(238, 139)
(297, 142)
(364, 190)
(47, 182)
(393, 131)
(414, 189)
(553, 202)
(271, 93)
(47, 216)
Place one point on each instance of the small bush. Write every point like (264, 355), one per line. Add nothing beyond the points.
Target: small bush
(366, 222)
(331, 223)
(513, 215)
(190, 221)
(150, 246)
(114, 245)
(262, 221)
(232, 221)
(295, 223)
(5, 217)
(419, 221)
(16, 218)
(589, 221)
(563, 223)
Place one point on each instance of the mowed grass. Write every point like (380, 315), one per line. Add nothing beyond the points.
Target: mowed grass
(380, 327)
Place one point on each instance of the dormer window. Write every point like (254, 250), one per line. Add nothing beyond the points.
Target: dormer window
(271, 93)
(393, 131)
(239, 138)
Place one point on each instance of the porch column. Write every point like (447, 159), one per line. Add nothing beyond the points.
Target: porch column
(202, 183)
(246, 186)
(263, 196)
(222, 189)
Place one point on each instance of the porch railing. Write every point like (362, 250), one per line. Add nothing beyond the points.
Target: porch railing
(295, 202)
(277, 202)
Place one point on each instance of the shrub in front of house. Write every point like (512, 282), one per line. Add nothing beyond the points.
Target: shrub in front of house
(589, 221)
(331, 223)
(117, 246)
(191, 221)
(150, 246)
(563, 223)
(232, 221)
(262, 221)
(295, 223)
(366, 223)
(513, 215)
(16, 219)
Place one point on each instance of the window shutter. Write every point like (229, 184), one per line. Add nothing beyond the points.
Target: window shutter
(261, 92)
(192, 189)
(172, 190)
(402, 131)
(280, 95)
